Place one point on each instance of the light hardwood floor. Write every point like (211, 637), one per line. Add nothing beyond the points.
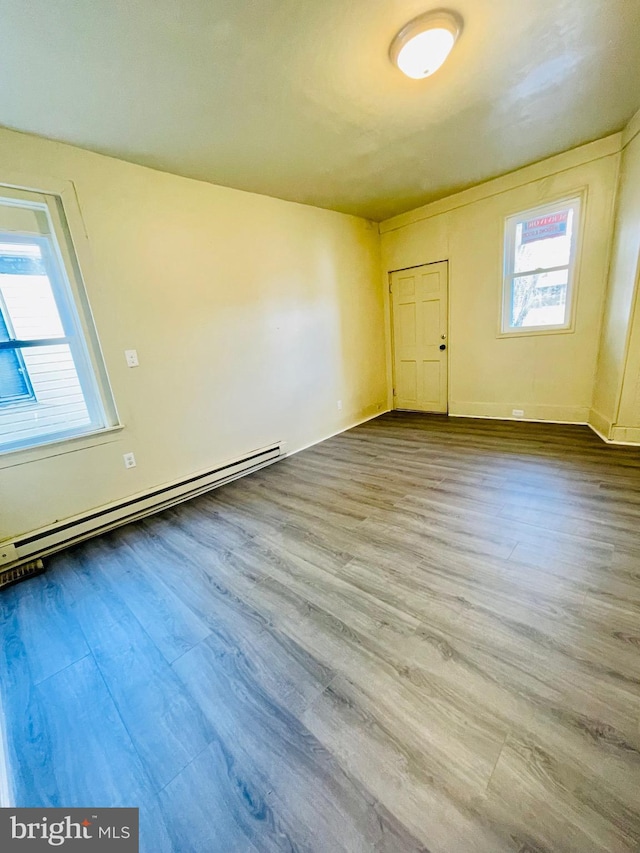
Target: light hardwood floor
(421, 635)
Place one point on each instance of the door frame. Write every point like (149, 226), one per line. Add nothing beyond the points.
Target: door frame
(391, 370)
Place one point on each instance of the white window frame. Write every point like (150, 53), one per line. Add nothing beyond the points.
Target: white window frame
(576, 203)
(63, 269)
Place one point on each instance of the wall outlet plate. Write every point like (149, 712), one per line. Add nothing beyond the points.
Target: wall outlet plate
(129, 460)
(132, 357)
(518, 413)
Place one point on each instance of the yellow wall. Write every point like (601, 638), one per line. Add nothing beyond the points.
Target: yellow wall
(617, 392)
(251, 317)
(551, 376)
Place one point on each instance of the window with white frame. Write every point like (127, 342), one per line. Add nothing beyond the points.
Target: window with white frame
(539, 268)
(53, 384)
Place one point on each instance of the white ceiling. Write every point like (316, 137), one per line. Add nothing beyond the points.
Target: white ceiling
(297, 98)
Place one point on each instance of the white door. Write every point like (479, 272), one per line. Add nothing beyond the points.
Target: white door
(419, 308)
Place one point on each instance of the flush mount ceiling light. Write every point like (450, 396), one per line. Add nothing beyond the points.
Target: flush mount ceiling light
(423, 44)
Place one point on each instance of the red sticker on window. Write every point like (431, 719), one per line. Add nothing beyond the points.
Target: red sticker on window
(545, 227)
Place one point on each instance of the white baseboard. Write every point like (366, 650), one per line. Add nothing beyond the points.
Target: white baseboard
(613, 433)
(337, 432)
(600, 424)
(614, 441)
(625, 435)
(616, 430)
(519, 420)
(534, 412)
(626, 431)
(617, 441)
(598, 433)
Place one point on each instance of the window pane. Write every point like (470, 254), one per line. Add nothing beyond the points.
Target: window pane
(59, 404)
(27, 293)
(544, 242)
(539, 300)
(13, 378)
(14, 382)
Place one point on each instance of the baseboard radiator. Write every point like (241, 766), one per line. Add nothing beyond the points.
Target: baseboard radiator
(40, 543)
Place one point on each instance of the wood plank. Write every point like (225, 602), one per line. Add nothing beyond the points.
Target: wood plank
(50, 637)
(265, 770)
(79, 753)
(166, 728)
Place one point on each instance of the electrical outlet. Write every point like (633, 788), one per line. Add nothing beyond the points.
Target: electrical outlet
(8, 553)
(518, 413)
(340, 405)
(129, 460)
(132, 357)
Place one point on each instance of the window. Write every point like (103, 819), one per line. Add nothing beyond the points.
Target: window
(52, 380)
(539, 262)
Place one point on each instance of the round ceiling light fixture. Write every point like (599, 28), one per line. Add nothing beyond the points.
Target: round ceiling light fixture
(421, 47)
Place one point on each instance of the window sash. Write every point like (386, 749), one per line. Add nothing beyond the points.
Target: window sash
(62, 270)
(539, 271)
(23, 397)
(16, 343)
(509, 275)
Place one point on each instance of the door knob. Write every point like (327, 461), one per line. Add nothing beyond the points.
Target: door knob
(443, 346)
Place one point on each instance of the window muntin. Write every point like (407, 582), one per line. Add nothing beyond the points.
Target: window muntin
(539, 262)
(52, 381)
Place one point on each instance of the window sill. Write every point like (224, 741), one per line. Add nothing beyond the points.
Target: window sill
(59, 446)
(535, 332)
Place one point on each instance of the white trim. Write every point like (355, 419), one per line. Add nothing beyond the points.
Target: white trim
(563, 423)
(533, 411)
(602, 424)
(613, 440)
(66, 221)
(621, 434)
(519, 420)
(63, 270)
(599, 434)
(337, 432)
(631, 130)
(57, 446)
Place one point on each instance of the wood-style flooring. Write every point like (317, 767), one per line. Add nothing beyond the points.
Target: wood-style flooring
(421, 635)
